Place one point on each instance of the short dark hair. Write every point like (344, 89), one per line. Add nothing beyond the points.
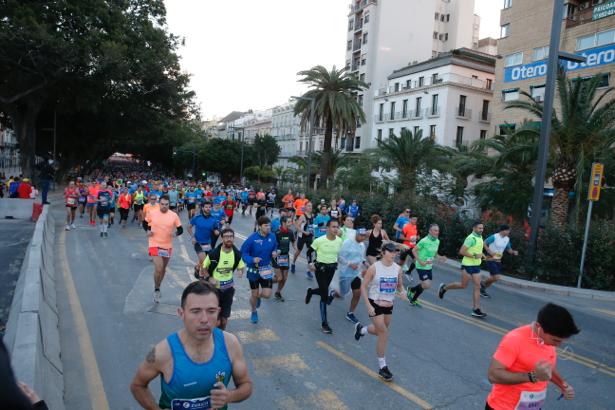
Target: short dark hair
(330, 221)
(557, 321)
(476, 223)
(165, 196)
(227, 230)
(504, 227)
(199, 288)
(263, 220)
(283, 220)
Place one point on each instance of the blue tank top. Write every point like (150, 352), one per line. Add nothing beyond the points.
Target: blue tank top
(192, 380)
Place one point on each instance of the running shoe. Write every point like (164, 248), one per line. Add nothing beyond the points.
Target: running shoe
(157, 296)
(441, 290)
(309, 275)
(279, 297)
(483, 291)
(101, 234)
(352, 318)
(308, 296)
(478, 313)
(357, 330)
(292, 268)
(415, 303)
(386, 374)
(254, 317)
(326, 329)
(410, 294)
(258, 302)
(72, 226)
(67, 228)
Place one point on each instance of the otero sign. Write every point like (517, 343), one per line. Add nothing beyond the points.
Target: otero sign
(604, 10)
(595, 57)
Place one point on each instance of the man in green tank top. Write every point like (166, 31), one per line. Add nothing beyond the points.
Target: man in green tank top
(472, 252)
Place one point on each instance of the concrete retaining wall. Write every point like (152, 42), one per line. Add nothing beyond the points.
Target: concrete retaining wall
(16, 208)
(32, 333)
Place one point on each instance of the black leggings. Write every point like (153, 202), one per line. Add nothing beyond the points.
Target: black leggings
(124, 214)
(324, 275)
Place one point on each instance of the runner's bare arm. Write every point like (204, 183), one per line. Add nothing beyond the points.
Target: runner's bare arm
(497, 373)
(148, 370)
(367, 278)
(241, 377)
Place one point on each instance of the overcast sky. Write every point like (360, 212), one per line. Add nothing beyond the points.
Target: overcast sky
(245, 54)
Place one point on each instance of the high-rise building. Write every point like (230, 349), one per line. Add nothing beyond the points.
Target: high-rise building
(285, 128)
(588, 29)
(384, 35)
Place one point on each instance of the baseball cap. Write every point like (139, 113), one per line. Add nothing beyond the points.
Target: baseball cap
(389, 247)
(361, 231)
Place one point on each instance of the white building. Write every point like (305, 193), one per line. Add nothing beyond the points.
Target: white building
(448, 97)
(285, 128)
(384, 35)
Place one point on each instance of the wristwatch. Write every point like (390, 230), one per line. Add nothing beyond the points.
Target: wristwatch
(532, 376)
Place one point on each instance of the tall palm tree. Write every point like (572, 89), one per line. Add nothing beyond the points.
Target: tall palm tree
(410, 154)
(336, 106)
(583, 126)
(337, 160)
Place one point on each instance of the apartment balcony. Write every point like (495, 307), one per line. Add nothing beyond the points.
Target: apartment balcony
(355, 66)
(432, 112)
(357, 6)
(358, 25)
(379, 118)
(484, 117)
(416, 114)
(585, 14)
(464, 113)
(357, 45)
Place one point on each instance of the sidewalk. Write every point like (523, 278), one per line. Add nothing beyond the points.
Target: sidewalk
(542, 287)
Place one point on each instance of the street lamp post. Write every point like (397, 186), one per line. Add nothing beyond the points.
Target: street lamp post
(312, 101)
(547, 114)
(241, 140)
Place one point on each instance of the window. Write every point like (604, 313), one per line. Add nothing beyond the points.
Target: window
(441, 37)
(360, 99)
(417, 129)
(432, 131)
(437, 16)
(348, 45)
(442, 17)
(434, 104)
(300, 146)
(435, 35)
(402, 130)
(489, 84)
(510, 95)
(350, 24)
(483, 134)
(391, 132)
(445, 36)
(380, 111)
(507, 4)
(538, 92)
(448, 18)
(366, 19)
(459, 136)
(408, 84)
(363, 61)
(540, 53)
(513, 59)
(379, 135)
(347, 64)
(357, 142)
(505, 31)
(392, 110)
(365, 38)
(462, 106)
(396, 88)
(421, 81)
(435, 79)
(418, 106)
(606, 37)
(507, 128)
(362, 77)
(484, 115)
(404, 109)
(343, 142)
(604, 82)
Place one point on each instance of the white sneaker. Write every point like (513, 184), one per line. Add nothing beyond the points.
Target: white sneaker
(67, 228)
(156, 296)
(72, 226)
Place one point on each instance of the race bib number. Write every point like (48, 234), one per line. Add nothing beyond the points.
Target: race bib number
(163, 252)
(388, 285)
(531, 400)
(91, 198)
(334, 214)
(82, 199)
(191, 200)
(104, 203)
(206, 247)
(71, 201)
(282, 261)
(226, 284)
(265, 272)
(201, 403)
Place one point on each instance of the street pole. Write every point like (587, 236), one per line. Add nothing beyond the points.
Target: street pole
(593, 195)
(586, 235)
(53, 181)
(241, 161)
(194, 162)
(309, 153)
(545, 128)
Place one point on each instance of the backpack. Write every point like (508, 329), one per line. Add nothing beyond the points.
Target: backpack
(214, 258)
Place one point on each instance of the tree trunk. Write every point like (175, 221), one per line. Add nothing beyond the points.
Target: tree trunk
(325, 163)
(559, 208)
(23, 118)
(407, 178)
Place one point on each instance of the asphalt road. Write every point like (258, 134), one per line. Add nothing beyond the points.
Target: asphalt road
(15, 235)
(438, 353)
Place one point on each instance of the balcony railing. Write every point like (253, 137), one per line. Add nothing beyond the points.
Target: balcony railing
(448, 78)
(484, 117)
(416, 114)
(357, 45)
(355, 7)
(432, 112)
(580, 17)
(464, 113)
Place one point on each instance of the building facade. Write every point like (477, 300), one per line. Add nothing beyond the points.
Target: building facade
(286, 128)
(384, 35)
(588, 29)
(447, 98)
(9, 151)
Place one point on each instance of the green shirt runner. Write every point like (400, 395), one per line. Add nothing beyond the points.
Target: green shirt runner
(427, 249)
(474, 243)
(326, 250)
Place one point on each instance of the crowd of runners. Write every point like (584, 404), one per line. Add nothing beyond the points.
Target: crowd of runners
(363, 262)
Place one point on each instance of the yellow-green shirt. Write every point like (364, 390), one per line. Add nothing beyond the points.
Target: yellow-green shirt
(474, 243)
(326, 250)
(223, 273)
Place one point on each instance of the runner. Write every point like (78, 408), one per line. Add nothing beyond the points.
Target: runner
(173, 199)
(205, 224)
(218, 213)
(300, 204)
(83, 197)
(334, 210)
(261, 208)
(151, 205)
(382, 281)
(352, 262)
(472, 251)
(424, 253)
(495, 246)
(275, 222)
(196, 363)
(347, 231)
(218, 269)
(159, 224)
(409, 237)
(285, 238)
(257, 251)
(327, 248)
(125, 200)
(525, 362)
(321, 222)
(304, 226)
(354, 210)
(113, 204)
(191, 199)
(138, 199)
(400, 222)
(377, 236)
(251, 200)
(271, 195)
(287, 202)
(91, 202)
(103, 208)
(71, 197)
(229, 205)
(244, 201)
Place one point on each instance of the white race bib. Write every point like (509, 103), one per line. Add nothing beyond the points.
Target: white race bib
(201, 403)
(265, 272)
(531, 400)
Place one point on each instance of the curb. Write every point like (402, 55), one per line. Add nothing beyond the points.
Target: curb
(32, 332)
(602, 295)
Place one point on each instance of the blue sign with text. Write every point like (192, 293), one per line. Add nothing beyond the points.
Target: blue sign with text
(595, 57)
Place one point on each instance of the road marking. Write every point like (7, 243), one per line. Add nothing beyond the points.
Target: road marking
(391, 385)
(585, 361)
(605, 311)
(240, 314)
(289, 362)
(325, 400)
(94, 381)
(262, 335)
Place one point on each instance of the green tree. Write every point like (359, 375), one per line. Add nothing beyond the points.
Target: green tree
(266, 149)
(582, 128)
(336, 107)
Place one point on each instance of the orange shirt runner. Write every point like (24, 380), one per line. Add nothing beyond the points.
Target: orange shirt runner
(299, 204)
(410, 230)
(288, 200)
(149, 207)
(519, 351)
(125, 201)
(162, 225)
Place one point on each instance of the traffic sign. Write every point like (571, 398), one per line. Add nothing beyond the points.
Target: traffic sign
(595, 183)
